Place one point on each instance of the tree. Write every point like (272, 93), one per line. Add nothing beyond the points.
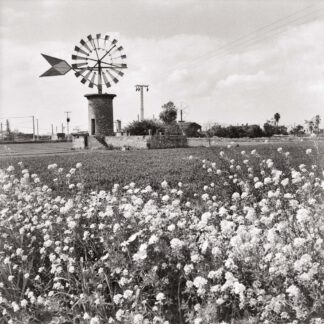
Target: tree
(276, 118)
(169, 113)
(142, 127)
(317, 121)
(297, 130)
(310, 125)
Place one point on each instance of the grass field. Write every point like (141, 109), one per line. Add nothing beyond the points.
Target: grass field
(102, 169)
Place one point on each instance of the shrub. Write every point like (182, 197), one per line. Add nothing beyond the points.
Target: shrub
(236, 131)
(143, 127)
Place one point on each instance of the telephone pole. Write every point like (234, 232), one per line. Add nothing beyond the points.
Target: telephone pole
(68, 120)
(140, 87)
(37, 129)
(33, 117)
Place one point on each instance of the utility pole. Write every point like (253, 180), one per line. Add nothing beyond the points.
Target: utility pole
(68, 118)
(182, 108)
(140, 87)
(37, 129)
(33, 117)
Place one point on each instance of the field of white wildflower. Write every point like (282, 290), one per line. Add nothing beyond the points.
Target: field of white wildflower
(249, 244)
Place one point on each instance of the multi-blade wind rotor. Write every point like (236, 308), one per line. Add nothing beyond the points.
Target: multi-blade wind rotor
(97, 60)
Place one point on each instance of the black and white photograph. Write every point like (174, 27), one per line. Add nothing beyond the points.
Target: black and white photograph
(161, 162)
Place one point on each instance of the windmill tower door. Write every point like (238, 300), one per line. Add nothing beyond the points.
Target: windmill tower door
(93, 126)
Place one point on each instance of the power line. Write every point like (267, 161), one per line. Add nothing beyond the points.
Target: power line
(254, 41)
(256, 34)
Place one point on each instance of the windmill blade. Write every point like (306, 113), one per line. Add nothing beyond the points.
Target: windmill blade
(106, 38)
(120, 73)
(99, 83)
(114, 41)
(107, 83)
(85, 78)
(78, 65)
(92, 42)
(91, 84)
(117, 57)
(120, 66)
(120, 48)
(77, 57)
(112, 76)
(98, 38)
(84, 43)
(78, 73)
(79, 50)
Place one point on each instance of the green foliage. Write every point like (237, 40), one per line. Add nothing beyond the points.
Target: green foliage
(236, 131)
(276, 118)
(169, 113)
(143, 127)
(297, 130)
(173, 129)
(270, 130)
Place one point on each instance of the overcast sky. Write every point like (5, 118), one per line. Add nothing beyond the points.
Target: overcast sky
(225, 61)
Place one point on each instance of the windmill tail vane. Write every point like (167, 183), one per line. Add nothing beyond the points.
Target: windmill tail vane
(97, 60)
(59, 66)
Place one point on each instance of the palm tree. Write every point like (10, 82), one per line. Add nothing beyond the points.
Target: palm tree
(276, 118)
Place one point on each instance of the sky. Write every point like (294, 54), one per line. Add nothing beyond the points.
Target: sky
(221, 61)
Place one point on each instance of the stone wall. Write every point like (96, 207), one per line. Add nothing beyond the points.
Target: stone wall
(138, 142)
(78, 142)
(216, 141)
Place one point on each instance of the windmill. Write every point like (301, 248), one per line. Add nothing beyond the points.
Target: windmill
(99, 62)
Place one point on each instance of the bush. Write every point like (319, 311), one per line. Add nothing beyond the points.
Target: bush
(143, 127)
(250, 243)
(270, 130)
(236, 131)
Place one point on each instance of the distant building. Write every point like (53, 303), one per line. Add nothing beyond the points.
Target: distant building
(190, 129)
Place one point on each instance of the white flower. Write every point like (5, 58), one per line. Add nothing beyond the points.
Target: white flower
(171, 228)
(15, 306)
(153, 239)
(71, 269)
(236, 196)
(285, 182)
(94, 320)
(127, 294)
(293, 291)
(23, 303)
(159, 297)
(86, 316)
(164, 184)
(200, 282)
(302, 215)
(78, 165)
(165, 198)
(176, 244)
(117, 298)
(308, 151)
(138, 319)
(141, 254)
(119, 314)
